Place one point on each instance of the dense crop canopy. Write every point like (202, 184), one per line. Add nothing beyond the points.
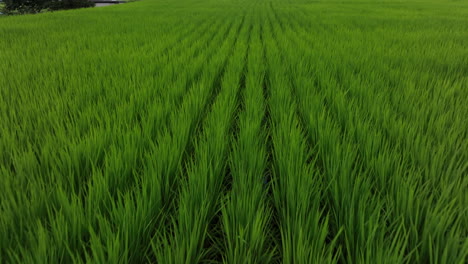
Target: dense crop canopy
(236, 131)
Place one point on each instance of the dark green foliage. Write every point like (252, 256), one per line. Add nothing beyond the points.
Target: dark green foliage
(36, 6)
(24, 6)
(69, 4)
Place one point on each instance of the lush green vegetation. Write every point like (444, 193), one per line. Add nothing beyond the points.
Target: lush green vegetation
(36, 6)
(265, 131)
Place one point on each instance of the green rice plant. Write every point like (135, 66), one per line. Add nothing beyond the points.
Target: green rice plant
(304, 85)
(160, 175)
(109, 170)
(201, 189)
(350, 122)
(115, 150)
(235, 131)
(117, 177)
(63, 143)
(245, 214)
(297, 189)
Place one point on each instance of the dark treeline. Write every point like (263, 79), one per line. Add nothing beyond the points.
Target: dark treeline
(36, 6)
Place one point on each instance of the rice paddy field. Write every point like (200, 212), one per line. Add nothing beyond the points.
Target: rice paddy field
(236, 131)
